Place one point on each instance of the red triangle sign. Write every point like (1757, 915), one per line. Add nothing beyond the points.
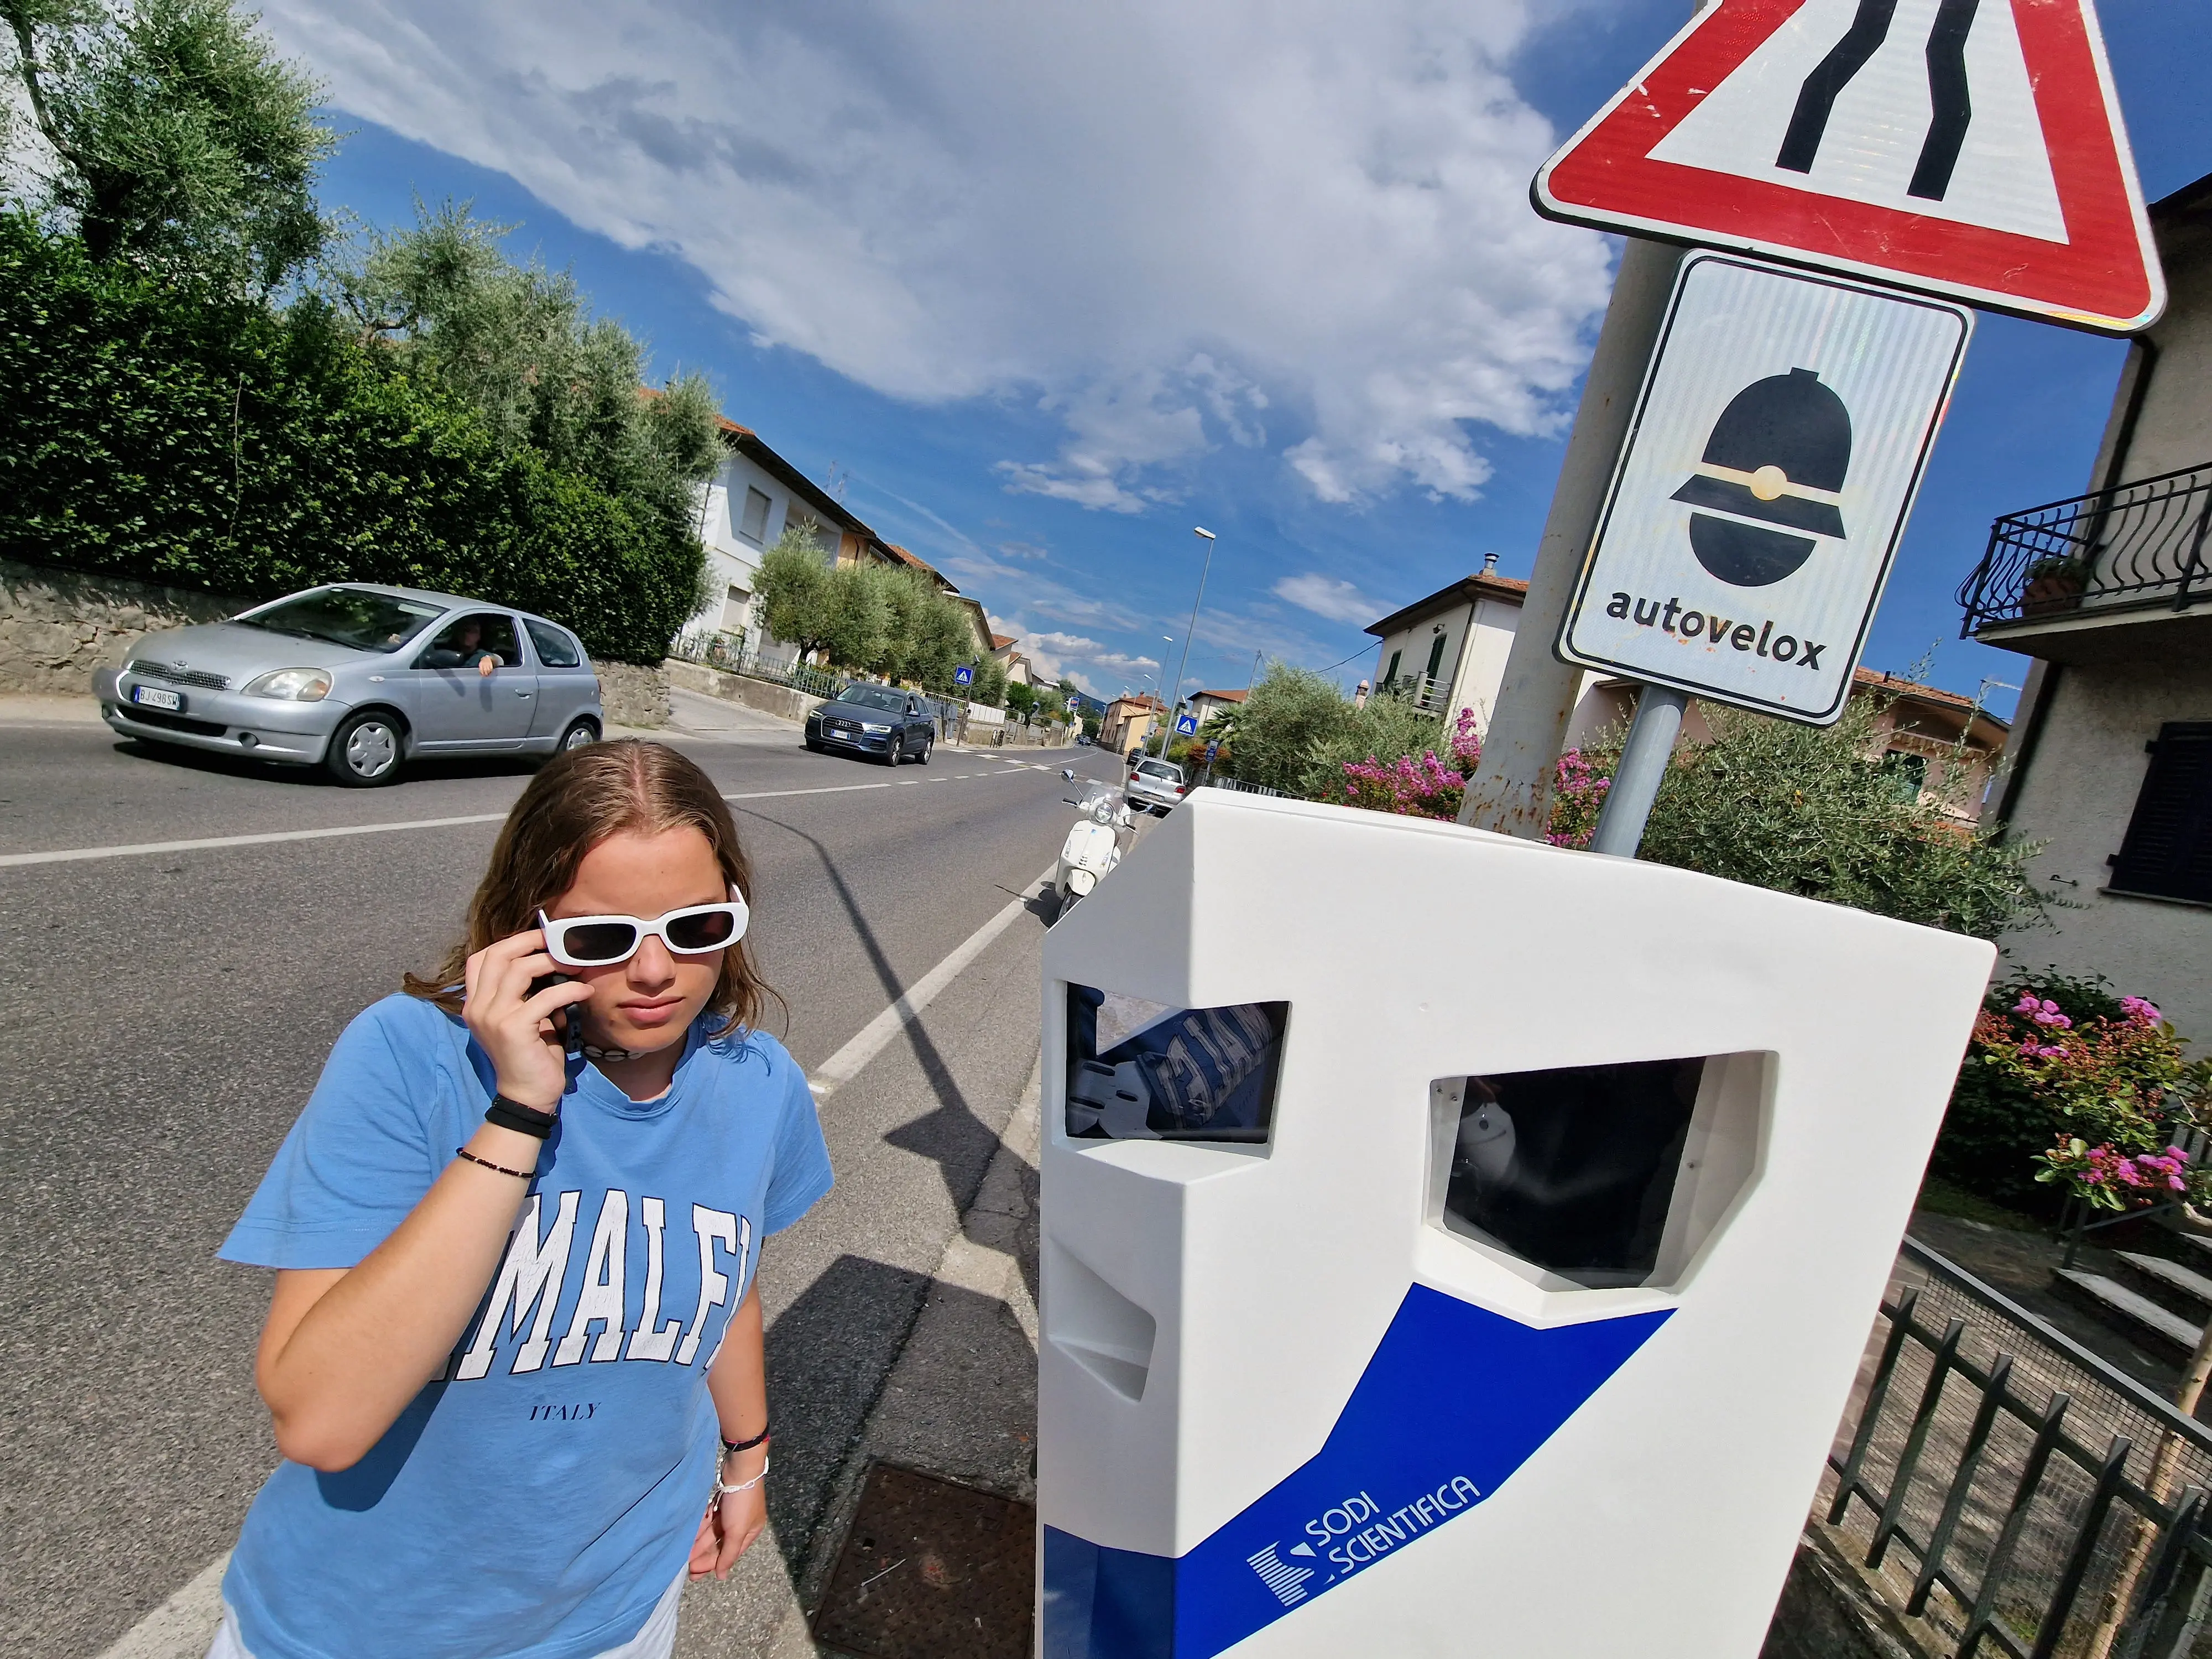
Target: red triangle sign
(1971, 147)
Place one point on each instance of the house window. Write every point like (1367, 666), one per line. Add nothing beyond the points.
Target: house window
(806, 524)
(2168, 850)
(753, 527)
(1391, 679)
(1436, 655)
(1908, 773)
(736, 611)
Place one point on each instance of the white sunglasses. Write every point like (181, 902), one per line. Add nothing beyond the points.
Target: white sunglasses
(601, 941)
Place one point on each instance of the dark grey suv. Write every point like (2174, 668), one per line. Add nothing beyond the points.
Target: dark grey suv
(879, 720)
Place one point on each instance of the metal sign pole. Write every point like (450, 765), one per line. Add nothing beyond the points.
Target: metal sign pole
(1511, 789)
(1642, 768)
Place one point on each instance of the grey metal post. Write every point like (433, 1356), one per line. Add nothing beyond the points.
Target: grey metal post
(1204, 570)
(1636, 779)
(1511, 789)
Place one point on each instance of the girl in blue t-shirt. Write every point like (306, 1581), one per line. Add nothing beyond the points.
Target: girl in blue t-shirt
(513, 1353)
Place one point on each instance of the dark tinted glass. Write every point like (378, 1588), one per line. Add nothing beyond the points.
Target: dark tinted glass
(555, 649)
(1573, 1168)
(702, 932)
(1138, 1071)
(874, 696)
(346, 616)
(603, 941)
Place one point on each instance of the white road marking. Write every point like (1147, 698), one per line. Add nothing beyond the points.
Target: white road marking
(182, 1626)
(140, 849)
(876, 1035)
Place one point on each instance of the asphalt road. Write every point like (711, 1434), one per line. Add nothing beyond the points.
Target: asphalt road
(163, 1015)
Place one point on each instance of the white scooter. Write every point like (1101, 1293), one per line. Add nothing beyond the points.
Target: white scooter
(1093, 846)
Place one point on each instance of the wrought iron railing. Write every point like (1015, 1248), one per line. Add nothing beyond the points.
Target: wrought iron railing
(1430, 693)
(733, 654)
(2015, 1492)
(2133, 546)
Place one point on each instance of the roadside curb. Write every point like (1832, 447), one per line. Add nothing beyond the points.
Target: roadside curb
(961, 1400)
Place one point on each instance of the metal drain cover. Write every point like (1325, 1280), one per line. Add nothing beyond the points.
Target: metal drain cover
(932, 1570)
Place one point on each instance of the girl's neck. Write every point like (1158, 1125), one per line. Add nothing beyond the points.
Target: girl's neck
(643, 1077)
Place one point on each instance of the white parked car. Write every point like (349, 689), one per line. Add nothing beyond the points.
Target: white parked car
(1154, 785)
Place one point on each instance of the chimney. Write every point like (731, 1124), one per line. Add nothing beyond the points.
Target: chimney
(1490, 564)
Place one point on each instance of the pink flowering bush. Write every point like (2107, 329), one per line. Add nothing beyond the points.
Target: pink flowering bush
(2108, 1179)
(2066, 1086)
(1431, 786)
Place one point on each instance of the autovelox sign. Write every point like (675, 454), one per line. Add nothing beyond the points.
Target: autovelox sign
(1780, 437)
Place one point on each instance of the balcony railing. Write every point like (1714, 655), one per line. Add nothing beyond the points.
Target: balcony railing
(2136, 546)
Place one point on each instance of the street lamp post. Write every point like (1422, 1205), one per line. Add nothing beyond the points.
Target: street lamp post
(1175, 701)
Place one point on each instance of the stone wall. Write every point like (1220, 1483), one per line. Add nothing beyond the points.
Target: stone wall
(632, 695)
(56, 626)
(769, 699)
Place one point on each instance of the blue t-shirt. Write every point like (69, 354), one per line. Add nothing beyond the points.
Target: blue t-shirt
(536, 1501)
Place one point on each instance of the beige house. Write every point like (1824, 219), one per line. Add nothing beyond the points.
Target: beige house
(2110, 595)
(1129, 722)
(1017, 667)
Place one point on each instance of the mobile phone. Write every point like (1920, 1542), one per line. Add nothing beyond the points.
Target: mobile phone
(572, 1020)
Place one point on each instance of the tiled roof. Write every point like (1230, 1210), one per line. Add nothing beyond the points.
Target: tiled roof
(1223, 696)
(1000, 642)
(1479, 586)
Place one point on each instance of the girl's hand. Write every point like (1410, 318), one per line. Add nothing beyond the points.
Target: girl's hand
(732, 1521)
(514, 1028)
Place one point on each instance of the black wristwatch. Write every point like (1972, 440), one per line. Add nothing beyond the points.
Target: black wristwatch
(523, 1120)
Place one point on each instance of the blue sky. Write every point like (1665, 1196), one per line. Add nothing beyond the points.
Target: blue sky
(1047, 296)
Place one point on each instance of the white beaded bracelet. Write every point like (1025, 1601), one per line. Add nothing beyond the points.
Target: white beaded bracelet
(723, 1489)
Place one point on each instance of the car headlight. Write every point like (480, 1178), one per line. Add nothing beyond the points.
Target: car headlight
(292, 684)
(870, 725)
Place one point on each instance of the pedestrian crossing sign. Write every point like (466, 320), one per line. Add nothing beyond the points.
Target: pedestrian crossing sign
(1969, 147)
(1186, 724)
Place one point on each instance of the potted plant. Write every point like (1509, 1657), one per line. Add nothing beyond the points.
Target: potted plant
(2054, 584)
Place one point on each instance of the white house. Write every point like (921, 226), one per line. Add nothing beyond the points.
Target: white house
(753, 497)
(2110, 594)
(1447, 652)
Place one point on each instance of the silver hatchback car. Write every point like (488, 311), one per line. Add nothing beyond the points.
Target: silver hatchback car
(359, 679)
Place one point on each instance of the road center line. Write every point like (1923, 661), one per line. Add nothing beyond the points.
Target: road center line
(140, 849)
(876, 1035)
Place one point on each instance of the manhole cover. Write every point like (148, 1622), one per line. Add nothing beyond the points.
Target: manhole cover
(932, 1570)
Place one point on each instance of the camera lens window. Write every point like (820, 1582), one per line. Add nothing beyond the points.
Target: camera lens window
(1142, 1071)
(1573, 1170)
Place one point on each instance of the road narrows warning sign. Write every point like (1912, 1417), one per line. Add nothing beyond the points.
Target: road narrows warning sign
(1777, 443)
(1970, 148)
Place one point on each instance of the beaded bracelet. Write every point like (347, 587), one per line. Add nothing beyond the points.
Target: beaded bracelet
(485, 1163)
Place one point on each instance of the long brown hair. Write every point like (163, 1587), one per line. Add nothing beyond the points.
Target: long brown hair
(579, 798)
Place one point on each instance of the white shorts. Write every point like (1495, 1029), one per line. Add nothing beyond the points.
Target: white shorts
(656, 1641)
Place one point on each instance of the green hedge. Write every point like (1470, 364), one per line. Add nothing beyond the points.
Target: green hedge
(170, 436)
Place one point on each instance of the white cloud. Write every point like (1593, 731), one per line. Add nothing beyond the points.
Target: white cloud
(1326, 596)
(1096, 667)
(1171, 227)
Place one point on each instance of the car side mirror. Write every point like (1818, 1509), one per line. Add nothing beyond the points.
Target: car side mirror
(1067, 772)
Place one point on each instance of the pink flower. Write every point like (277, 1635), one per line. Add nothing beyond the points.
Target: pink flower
(2139, 1012)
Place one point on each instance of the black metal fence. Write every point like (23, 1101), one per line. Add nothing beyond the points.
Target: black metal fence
(2015, 1493)
(2135, 545)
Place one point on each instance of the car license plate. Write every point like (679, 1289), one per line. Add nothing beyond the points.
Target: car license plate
(152, 697)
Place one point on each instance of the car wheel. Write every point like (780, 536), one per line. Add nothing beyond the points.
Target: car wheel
(579, 734)
(366, 751)
(813, 745)
(894, 751)
(927, 744)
